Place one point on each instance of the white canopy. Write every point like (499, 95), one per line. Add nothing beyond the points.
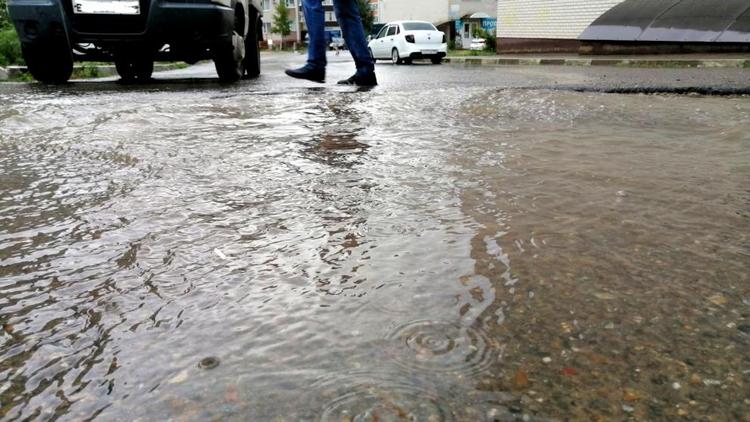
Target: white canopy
(480, 15)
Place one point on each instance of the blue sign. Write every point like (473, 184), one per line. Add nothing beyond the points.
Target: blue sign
(489, 25)
(459, 25)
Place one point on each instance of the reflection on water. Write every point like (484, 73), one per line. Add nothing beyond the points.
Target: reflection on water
(458, 254)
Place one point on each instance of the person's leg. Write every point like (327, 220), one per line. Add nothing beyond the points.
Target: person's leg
(315, 20)
(315, 69)
(347, 13)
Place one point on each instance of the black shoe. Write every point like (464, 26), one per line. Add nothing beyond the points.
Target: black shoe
(367, 79)
(308, 73)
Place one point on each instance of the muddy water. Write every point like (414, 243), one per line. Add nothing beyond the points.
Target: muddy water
(452, 254)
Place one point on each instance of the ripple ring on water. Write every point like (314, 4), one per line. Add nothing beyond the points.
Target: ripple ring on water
(391, 404)
(442, 346)
(362, 396)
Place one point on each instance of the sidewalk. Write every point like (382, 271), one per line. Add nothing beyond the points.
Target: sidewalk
(653, 61)
(99, 71)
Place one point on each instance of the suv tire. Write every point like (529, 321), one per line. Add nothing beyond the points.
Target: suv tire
(252, 48)
(229, 55)
(49, 62)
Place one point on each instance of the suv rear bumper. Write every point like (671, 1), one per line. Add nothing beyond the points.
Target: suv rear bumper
(161, 22)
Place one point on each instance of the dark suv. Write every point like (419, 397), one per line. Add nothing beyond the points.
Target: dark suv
(135, 33)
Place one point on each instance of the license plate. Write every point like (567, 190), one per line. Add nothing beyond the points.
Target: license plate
(429, 51)
(106, 7)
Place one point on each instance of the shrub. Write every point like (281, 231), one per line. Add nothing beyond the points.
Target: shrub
(10, 48)
(86, 71)
(488, 36)
(491, 42)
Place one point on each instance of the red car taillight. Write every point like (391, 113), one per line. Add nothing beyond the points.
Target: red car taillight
(410, 39)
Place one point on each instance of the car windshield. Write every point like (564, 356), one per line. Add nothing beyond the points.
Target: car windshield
(418, 26)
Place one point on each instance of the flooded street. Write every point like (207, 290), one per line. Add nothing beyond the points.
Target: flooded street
(456, 244)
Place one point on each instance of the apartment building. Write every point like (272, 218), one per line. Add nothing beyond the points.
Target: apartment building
(375, 7)
(294, 12)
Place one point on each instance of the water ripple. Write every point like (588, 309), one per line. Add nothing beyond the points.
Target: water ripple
(443, 346)
(383, 395)
(282, 230)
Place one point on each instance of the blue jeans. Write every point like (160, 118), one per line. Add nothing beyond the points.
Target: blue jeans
(347, 14)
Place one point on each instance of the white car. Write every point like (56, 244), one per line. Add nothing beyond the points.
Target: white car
(478, 44)
(404, 41)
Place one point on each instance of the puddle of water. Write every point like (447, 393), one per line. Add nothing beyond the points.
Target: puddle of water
(458, 254)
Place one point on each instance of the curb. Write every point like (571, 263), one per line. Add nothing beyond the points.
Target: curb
(102, 71)
(105, 71)
(648, 63)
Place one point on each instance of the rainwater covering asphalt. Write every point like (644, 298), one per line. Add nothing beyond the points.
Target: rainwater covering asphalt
(694, 21)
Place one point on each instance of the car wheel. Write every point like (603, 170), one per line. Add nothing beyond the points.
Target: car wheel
(133, 69)
(395, 58)
(252, 49)
(229, 55)
(372, 56)
(49, 62)
(437, 60)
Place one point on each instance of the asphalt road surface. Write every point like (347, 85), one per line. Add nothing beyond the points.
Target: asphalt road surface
(424, 75)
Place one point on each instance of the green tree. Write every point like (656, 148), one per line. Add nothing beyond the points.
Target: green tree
(4, 21)
(368, 17)
(282, 25)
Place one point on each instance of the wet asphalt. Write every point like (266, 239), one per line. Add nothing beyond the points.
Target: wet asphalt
(458, 243)
(424, 74)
